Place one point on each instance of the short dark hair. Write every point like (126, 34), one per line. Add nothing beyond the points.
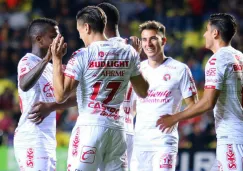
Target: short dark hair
(111, 12)
(94, 16)
(152, 25)
(225, 24)
(39, 26)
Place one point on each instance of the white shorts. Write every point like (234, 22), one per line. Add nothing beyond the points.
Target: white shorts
(161, 160)
(229, 157)
(35, 159)
(93, 147)
(129, 141)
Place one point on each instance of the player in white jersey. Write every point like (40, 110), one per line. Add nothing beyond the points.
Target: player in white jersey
(35, 145)
(222, 92)
(100, 72)
(170, 82)
(112, 33)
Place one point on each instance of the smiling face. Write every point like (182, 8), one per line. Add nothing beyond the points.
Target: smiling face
(152, 44)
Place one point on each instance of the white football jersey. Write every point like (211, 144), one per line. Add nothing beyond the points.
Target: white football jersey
(103, 70)
(224, 72)
(28, 133)
(169, 84)
(127, 105)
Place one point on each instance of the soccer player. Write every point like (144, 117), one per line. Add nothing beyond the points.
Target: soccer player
(100, 72)
(35, 144)
(170, 82)
(112, 33)
(222, 92)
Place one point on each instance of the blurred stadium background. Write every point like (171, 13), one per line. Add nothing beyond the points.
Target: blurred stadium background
(185, 25)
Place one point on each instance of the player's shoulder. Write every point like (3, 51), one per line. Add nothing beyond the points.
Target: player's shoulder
(79, 52)
(117, 39)
(144, 64)
(28, 58)
(225, 54)
(175, 64)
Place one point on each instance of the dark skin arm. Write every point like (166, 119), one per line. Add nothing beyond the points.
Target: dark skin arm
(41, 110)
(28, 80)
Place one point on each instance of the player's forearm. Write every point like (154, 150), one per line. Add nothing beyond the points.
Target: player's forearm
(70, 102)
(140, 86)
(142, 90)
(197, 109)
(28, 80)
(58, 81)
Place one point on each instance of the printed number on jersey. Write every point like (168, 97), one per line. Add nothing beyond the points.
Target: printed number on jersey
(111, 86)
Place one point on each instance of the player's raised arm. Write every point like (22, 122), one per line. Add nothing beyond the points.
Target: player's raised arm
(63, 86)
(28, 80)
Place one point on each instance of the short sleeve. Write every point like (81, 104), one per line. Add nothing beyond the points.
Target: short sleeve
(25, 65)
(75, 66)
(187, 84)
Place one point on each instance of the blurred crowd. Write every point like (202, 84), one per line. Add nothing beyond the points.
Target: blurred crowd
(185, 25)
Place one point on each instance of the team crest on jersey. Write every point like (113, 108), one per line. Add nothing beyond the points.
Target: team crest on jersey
(166, 77)
(88, 154)
(166, 161)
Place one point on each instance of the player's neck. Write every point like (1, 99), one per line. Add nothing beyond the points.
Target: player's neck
(219, 44)
(94, 38)
(157, 61)
(38, 52)
(112, 33)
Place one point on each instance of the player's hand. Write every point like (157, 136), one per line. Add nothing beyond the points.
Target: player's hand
(136, 43)
(38, 112)
(58, 47)
(48, 54)
(165, 122)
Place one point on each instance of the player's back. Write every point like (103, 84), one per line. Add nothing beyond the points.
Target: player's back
(228, 110)
(105, 69)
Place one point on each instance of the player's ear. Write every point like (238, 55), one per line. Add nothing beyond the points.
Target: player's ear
(215, 33)
(164, 40)
(38, 39)
(87, 28)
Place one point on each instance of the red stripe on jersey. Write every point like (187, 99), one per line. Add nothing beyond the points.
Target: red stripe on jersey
(24, 58)
(209, 87)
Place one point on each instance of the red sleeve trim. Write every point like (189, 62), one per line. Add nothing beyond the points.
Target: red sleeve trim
(209, 87)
